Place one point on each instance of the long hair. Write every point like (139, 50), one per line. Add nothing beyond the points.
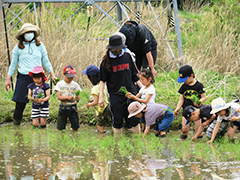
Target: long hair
(21, 39)
(106, 61)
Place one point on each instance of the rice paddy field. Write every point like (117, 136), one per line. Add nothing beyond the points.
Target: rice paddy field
(210, 37)
(50, 154)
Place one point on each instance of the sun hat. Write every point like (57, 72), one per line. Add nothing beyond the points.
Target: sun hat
(37, 70)
(115, 42)
(135, 107)
(69, 71)
(218, 105)
(26, 27)
(122, 36)
(187, 112)
(184, 73)
(91, 70)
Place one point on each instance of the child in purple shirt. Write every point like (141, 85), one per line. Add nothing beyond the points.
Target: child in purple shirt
(156, 114)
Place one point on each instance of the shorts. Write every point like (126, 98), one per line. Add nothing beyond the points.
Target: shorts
(236, 123)
(104, 118)
(221, 131)
(40, 113)
(65, 112)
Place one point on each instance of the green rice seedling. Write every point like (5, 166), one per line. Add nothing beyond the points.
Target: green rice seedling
(57, 80)
(77, 92)
(40, 95)
(195, 99)
(123, 90)
(28, 96)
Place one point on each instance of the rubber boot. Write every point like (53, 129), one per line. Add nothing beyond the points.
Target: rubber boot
(17, 122)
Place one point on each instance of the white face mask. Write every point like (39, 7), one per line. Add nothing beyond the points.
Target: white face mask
(28, 36)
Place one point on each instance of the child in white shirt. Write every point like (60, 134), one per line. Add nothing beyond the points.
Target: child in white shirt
(147, 93)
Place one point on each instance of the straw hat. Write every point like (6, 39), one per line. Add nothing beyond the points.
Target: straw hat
(26, 27)
(135, 107)
(218, 105)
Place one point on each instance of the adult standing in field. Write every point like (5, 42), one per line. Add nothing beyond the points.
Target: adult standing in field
(116, 70)
(140, 40)
(28, 53)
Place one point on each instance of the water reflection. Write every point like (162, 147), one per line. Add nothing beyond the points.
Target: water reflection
(68, 170)
(30, 157)
(146, 169)
(48, 154)
(102, 166)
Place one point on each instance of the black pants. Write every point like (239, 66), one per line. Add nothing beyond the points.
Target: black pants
(119, 111)
(141, 59)
(18, 113)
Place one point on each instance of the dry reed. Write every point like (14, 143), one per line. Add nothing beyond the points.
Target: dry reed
(220, 53)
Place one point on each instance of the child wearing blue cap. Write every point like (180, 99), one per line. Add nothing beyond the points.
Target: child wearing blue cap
(103, 114)
(191, 93)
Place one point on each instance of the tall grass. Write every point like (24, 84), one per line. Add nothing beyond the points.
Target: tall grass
(208, 42)
(210, 45)
(65, 47)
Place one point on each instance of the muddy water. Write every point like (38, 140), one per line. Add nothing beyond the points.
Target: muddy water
(49, 154)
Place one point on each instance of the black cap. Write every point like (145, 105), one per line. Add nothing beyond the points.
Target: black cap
(130, 32)
(187, 111)
(184, 73)
(115, 42)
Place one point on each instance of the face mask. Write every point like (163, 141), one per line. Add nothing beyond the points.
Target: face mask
(117, 53)
(28, 36)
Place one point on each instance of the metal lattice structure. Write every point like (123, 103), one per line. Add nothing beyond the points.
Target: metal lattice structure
(121, 6)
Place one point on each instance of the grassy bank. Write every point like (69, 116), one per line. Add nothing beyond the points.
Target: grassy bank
(210, 38)
(216, 85)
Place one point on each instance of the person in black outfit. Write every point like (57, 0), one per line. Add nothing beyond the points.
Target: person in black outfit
(191, 113)
(117, 70)
(141, 41)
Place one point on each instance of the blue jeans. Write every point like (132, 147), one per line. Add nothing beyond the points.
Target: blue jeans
(65, 112)
(166, 122)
